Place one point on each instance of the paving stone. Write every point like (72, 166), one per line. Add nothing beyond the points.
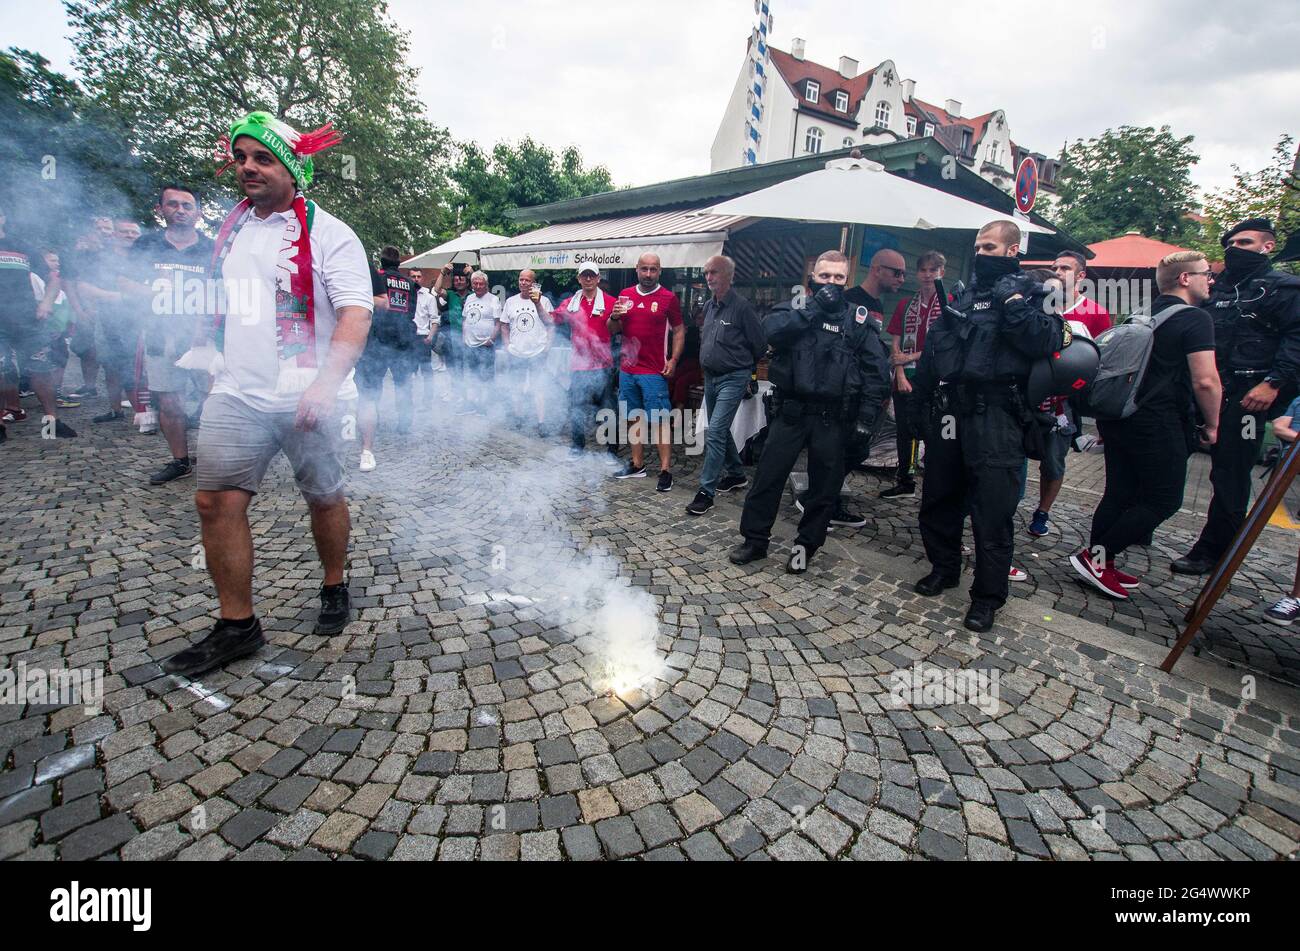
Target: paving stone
(97, 839)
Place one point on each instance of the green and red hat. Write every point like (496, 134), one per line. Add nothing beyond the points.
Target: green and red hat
(294, 149)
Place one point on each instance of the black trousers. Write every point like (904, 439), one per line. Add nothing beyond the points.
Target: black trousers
(908, 435)
(1234, 459)
(973, 463)
(789, 435)
(1146, 472)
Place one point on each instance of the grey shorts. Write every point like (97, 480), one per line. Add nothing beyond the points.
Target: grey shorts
(238, 443)
(1052, 468)
(164, 344)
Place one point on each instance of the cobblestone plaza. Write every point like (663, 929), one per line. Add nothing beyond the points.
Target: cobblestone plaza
(458, 716)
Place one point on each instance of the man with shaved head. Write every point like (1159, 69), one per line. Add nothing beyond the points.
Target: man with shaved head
(973, 376)
(643, 315)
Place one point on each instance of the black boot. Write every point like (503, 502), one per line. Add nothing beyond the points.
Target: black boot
(935, 583)
(748, 552)
(228, 641)
(1193, 564)
(980, 617)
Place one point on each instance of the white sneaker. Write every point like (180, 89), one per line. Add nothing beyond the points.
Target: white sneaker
(368, 463)
(1017, 575)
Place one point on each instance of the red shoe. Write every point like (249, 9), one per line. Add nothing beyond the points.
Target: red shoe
(1128, 582)
(15, 415)
(1103, 580)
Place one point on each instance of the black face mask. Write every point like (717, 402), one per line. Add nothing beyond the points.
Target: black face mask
(988, 268)
(828, 297)
(1238, 262)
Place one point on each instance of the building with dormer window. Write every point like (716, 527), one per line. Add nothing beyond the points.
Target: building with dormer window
(785, 106)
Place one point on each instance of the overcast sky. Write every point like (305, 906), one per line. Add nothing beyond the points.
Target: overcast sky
(641, 87)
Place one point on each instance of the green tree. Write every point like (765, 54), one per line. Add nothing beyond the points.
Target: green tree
(64, 158)
(178, 72)
(1269, 192)
(1128, 179)
(487, 186)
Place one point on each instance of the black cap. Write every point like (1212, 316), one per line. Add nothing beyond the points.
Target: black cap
(1250, 224)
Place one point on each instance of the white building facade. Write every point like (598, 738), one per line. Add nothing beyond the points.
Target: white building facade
(787, 106)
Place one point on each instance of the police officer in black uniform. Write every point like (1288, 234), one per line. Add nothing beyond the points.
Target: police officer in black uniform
(1256, 313)
(393, 346)
(830, 369)
(972, 377)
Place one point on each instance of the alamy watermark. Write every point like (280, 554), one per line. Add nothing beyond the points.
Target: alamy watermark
(923, 686)
(613, 427)
(58, 686)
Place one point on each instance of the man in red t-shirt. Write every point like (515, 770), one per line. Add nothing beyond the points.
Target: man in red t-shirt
(591, 381)
(912, 319)
(643, 315)
(1071, 273)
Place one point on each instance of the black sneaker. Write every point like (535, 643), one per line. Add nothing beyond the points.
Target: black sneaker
(226, 643)
(26, 394)
(733, 484)
(1193, 564)
(83, 393)
(109, 417)
(665, 482)
(176, 469)
(631, 472)
(703, 502)
(63, 431)
(904, 490)
(335, 609)
(843, 518)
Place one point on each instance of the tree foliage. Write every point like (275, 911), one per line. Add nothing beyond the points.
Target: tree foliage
(1128, 179)
(1270, 192)
(178, 72)
(487, 186)
(64, 157)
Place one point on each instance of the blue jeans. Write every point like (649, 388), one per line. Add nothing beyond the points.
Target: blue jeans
(723, 393)
(588, 388)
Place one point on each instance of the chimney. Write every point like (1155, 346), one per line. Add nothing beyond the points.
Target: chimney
(848, 67)
(909, 89)
(798, 48)
(953, 108)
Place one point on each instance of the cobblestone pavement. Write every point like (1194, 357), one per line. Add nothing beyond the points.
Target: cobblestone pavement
(455, 718)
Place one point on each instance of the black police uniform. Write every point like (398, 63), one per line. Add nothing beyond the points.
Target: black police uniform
(394, 343)
(972, 377)
(830, 370)
(1256, 313)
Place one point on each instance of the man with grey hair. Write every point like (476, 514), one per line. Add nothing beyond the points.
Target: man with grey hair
(526, 333)
(731, 344)
(481, 314)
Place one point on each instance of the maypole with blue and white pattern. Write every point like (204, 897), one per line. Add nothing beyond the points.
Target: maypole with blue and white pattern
(760, 63)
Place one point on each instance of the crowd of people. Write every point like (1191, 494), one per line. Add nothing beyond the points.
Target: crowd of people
(301, 323)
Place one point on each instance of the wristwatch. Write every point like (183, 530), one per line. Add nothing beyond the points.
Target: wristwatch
(1273, 382)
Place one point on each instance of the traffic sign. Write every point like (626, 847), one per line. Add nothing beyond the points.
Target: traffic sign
(1027, 186)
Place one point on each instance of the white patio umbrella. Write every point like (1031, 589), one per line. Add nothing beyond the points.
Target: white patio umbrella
(857, 191)
(462, 250)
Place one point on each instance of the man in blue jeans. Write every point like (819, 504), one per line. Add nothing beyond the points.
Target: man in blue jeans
(731, 344)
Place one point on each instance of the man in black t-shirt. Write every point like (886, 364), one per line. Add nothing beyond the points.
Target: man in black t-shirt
(1146, 454)
(393, 347)
(168, 275)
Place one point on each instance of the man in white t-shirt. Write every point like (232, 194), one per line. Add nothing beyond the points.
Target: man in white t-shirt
(292, 322)
(479, 320)
(526, 328)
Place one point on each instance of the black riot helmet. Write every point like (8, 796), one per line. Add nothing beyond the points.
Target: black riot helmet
(1066, 373)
